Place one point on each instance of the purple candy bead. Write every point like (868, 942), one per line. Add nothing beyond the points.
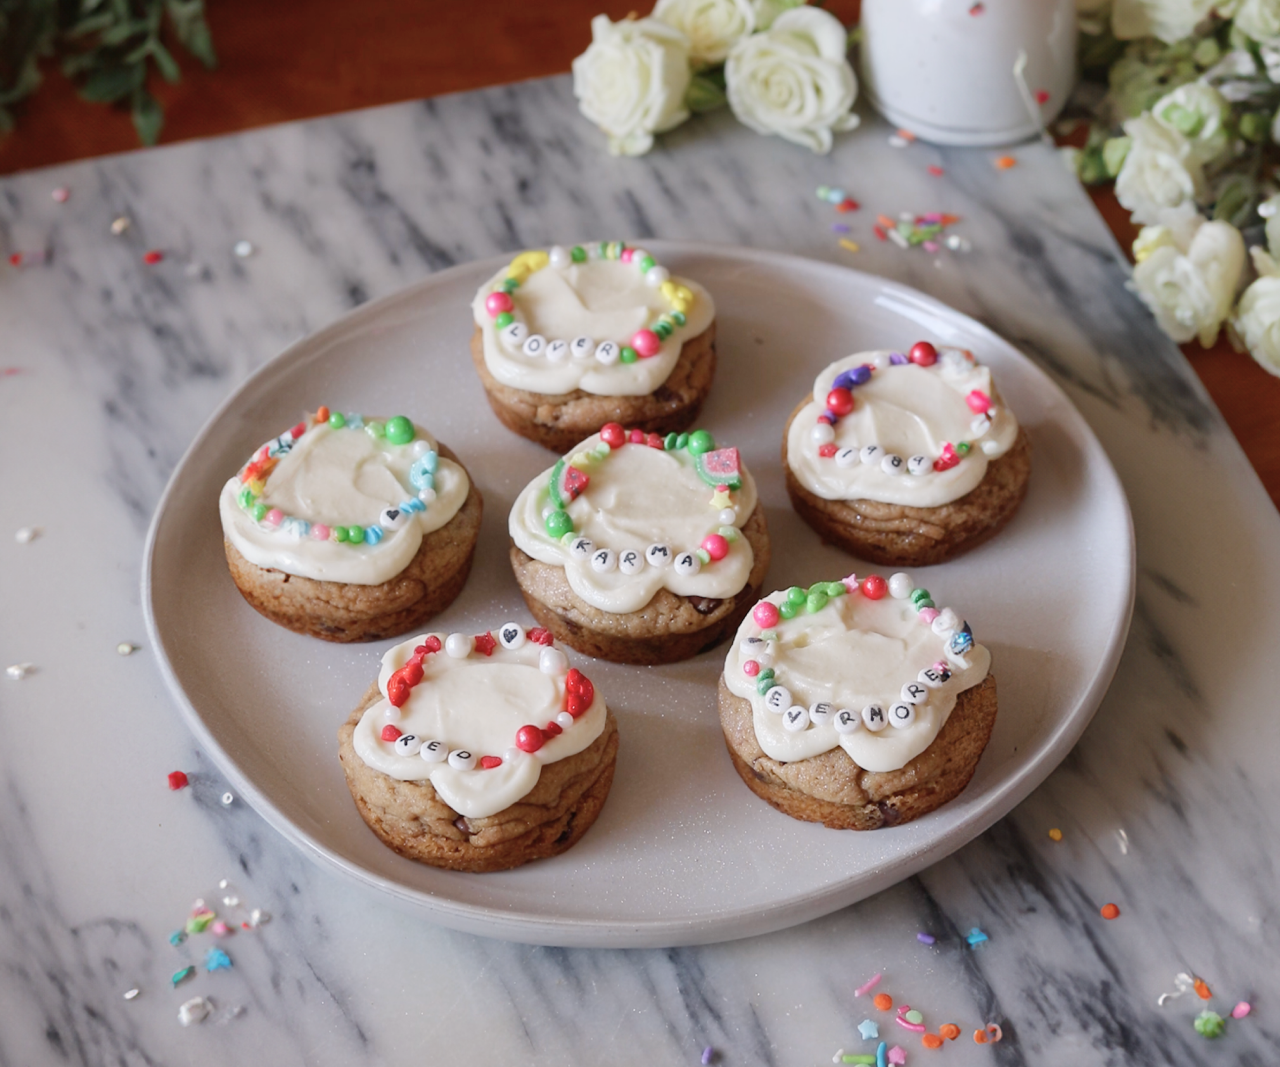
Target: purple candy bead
(860, 375)
(925, 939)
(829, 417)
(897, 359)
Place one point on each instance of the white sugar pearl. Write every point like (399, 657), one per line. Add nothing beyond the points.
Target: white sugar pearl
(687, 564)
(603, 560)
(847, 457)
(552, 661)
(408, 745)
(581, 547)
(892, 464)
(655, 276)
(427, 495)
(778, 699)
(459, 646)
(558, 351)
(393, 519)
(511, 635)
(795, 718)
(434, 751)
(900, 585)
(564, 720)
(514, 334)
(392, 713)
(462, 760)
(582, 347)
(419, 448)
(871, 454)
(915, 693)
(657, 555)
(919, 465)
(821, 712)
(630, 561)
(511, 755)
(946, 623)
(932, 678)
(559, 257)
(873, 718)
(637, 254)
(902, 715)
(980, 425)
(536, 345)
(607, 352)
(990, 448)
(823, 433)
(847, 721)
(727, 517)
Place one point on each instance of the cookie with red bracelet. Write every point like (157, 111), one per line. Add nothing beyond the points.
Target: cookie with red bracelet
(571, 338)
(906, 460)
(480, 752)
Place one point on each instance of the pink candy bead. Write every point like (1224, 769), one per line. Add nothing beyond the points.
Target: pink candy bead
(928, 615)
(320, 532)
(978, 401)
(851, 585)
(716, 546)
(627, 253)
(637, 437)
(765, 615)
(274, 517)
(1241, 1010)
(646, 343)
(751, 668)
(496, 303)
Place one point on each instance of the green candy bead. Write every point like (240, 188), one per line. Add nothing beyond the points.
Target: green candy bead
(682, 441)
(628, 354)
(700, 441)
(835, 589)
(767, 675)
(246, 498)
(1209, 1024)
(374, 429)
(919, 594)
(729, 533)
(925, 603)
(578, 254)
(355, 534)
(703, 555)
(914, 1016)
(769, 635)
(340, 534)
(259, 512)
(646, 264)
(504, 319)
(399, 430)
(669, 442)
(510, 285)
(796, 595)
(818, 587)
(337, 420)
(815, 602)
(788, 610)
(604, 249)
(662, 330)
(963, 448)
(558, 524)
(679, 316)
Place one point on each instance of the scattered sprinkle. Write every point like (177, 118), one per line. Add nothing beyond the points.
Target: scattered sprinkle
(152, 257)
(906, 135)
(195, 1010)
(857, 1057)
(957, 243)
(178, 780)
(1182, 983)
(931, 1041)
(882, 1001)
(708, 1055)
(925, 939)
(911, 1015)
(1241, 1010)
(1210, 1024)
(26, 534)
(177, 937)
(867, 1029)
(1110, 911)
(243, 249)
(18, 671)
(880, 233)
(949, 1030)
(1123, 839)
(126, 648)
(1055, 834)
(898, 141)
(119, 225)
(228, 798)
(221, 929)
(1005, 162)
(931, 247)
(27, 259)
(1202, 989)
(868, 985)
(132, 994)
(976, 937)
(61, 194)
(977, 9)
(257, 917)
(897, 1055)
(1042, 96)
(839, 227)
(181, 976)
(200, 918)
(216, 960)
(881, 1057)
(935, 170)
(851, 246)
(898, 239)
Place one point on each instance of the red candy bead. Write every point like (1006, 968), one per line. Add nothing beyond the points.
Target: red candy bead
(538, 635)
(874, 587)
(716, 546)
(646, 343)
(298, 430)
(153, 257)
(923, 354)
(529, 739)
(654, 440)
(948, 459)
(485, 643)
(827, 451)
(496, 303)
(613, 435)
(390, 733)
(840, 401)
(636, 437)
(552, 729)
(978, 401)
(765, 615)
(751, 668)
(489, 762)
(431, 644)
(177, 780)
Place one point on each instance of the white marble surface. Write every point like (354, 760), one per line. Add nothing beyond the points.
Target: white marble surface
(119, 363)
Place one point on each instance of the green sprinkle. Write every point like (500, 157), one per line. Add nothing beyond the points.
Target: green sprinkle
(337, 420)
(914, 1016)
(604, 249)
(648, 263)
(510, 285)
(796, 595)
(259, 512)
(601, 450)
(182, 975)
(919, 594)
(925, 603)
(355, 534)
(1209, 1024)
(764, 685)
(682, 441)
(199, 922)
(340, 534)
(670, 441)
(729, 533)
(578, 254)
(700, 441)
(768, 635)
(767, 675)
(679, 317)
(815, 602)
(558, 524)
(246, 498)
(788, 610)
(963, 447)
(399, 430)
(662, 330)
(628, 354)
(504, 319)
(835, 589)
(817, 587)
(703, 555)
(374, 429)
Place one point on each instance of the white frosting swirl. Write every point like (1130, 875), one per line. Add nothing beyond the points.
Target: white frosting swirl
(639, 496)
(853, 653)
(603, 299)
(342, 477)
(477, 704)
(907, 410)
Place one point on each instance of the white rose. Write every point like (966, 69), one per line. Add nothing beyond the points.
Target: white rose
(1190, 286)
(1198, 112)
(794, 79)
(1260, 19)
(712, 26)
(1170, 20)
(767, 11)
(631, 81)
(1160, 172)
(1257, 322)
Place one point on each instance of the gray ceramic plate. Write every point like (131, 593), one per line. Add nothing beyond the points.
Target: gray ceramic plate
(682, 853)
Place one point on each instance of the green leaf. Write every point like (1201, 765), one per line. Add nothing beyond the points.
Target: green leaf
(148, 117)
(108, 84)
(1255, 127)
(123, 31)
(167, 65)
(199, 42)
(705, 93)
(1236, 200)
(1114, 153)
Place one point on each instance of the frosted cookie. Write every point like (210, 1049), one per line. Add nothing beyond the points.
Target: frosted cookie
(906, 460)
(856, 709)
(640, 548)
(479, 753)
(350, 529)
(568, 340)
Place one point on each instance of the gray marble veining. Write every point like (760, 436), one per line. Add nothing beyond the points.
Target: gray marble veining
(1168, 805)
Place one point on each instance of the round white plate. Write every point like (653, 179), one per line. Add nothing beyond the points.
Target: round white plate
(683, 853)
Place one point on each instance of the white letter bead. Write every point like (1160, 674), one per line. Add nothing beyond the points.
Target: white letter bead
(847, 721)
(778, 699)
(892, 464)
(558, 351)
(821, 712)
(459, 646)
(462, 760)
(873, 718)
(559, 257)
(407, 745)
(919, 465)
(630, 561)
(434, 751)
(582, 347)
(655, 276)
(902, 715)
(535, 345)
(687, 564)
(514, 334)
(823, 433)
(392, 519)
(946, 623)
(607, 352)
(915, 692)
(603, 560)
(871, 454)
(900, 585)
(847, 457)
(795, 719)
(581, 547)
(511, 635)
(933, 679)
(552, 661)
(657, 555)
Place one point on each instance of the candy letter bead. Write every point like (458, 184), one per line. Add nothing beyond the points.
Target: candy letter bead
(511, 635)
(918, 465)
(687, 564)
(559, 257)
(608, 353)
(603, 560)
(915, 692)
(823, 434)
(821, 712)
(529, 738)
(515, 334)
(658, 555)
(931, 677)
(765, 615)
(871, 454)
(581, 548)
(558, 351)
(630, 561)
(552, 661)
(778, 699)
(407, 745)
(434, 751)
(715, 546)
(847, 721)
(900, 585)
(646, 343)
(795, 719)
(458, 646)
(462, 760)
(874, 587)
(847, 457)
(582, 347)
(535, 345)
(392, 519)
(923, 354)
(902, 715)
(840, 402)
(496, 303)
(873, 718)
(892, 464)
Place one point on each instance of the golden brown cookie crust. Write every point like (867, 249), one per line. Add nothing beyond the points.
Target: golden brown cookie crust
(560, 421)
(342, 612)
(667, 629)
(896, 535)
(411, 819)
(835, 791)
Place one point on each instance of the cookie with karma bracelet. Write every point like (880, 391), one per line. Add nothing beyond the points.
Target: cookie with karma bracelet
(350, 529)
(640, 548)
(479, 753)
(569, 339)
(906, 460)
(857, 704)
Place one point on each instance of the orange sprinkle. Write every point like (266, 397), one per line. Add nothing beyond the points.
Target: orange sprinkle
(322, 415)
(1005, 162)
(906, 135)
(980, 1037)
(1055, 834)
(949, 1030)
(936, 171)
(886, 222)
(1202, 990)
(883, 1002)
(1110, 911)
(931, 1041)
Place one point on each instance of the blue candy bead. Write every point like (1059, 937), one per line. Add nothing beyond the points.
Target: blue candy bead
(421, 474)
(354, 421)
(372, 535)
(412, 505)
(431, 459)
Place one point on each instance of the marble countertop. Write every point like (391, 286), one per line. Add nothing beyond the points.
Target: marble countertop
(1168, 806)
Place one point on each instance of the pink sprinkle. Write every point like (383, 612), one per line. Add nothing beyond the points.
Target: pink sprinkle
(1042, 96)
(1241, 1010)
(928, 615)
(930, 246)
(751, 668)
(915, 1027)
(898, 1054)
(220, 928)
(936, 171)
(874, 980)
(61, 194)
